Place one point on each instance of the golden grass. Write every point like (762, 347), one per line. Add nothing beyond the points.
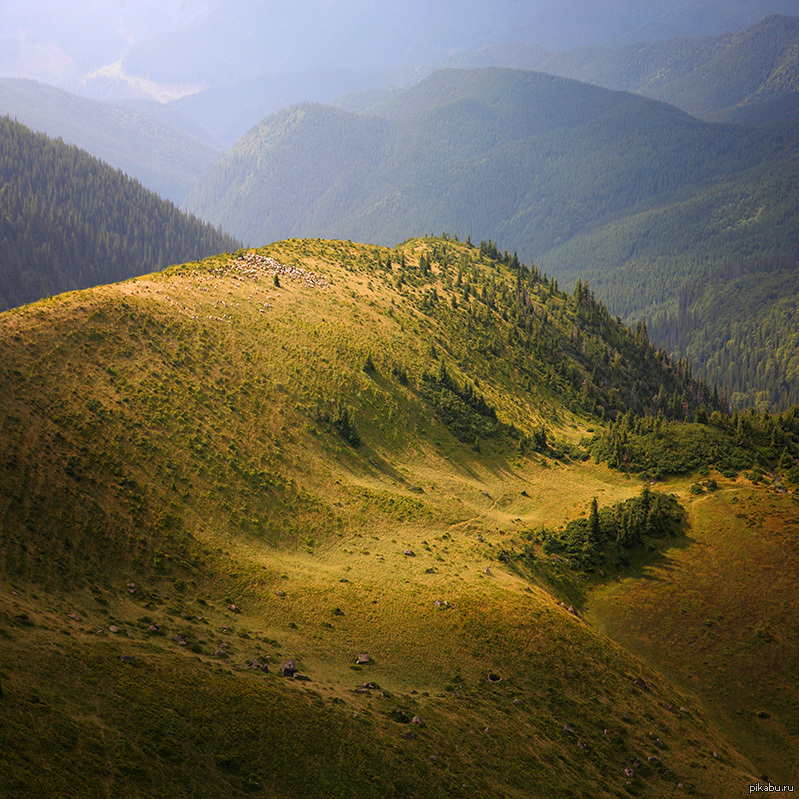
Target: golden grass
(166, 432)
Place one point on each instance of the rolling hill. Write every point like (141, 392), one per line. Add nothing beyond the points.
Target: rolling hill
(70, 221)
(358, 459)
(643, 200)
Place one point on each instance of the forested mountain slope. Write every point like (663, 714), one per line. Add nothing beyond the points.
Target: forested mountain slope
(521, 157)
(69, 221)
(164, 157)
(750, 77)
(280, 462)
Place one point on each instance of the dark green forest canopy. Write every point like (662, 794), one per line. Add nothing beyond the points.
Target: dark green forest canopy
(69, 221)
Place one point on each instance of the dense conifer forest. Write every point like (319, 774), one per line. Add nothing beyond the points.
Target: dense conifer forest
(69, 221)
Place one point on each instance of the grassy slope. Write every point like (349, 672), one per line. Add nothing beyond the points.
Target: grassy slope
(720, 605)
(162, 460)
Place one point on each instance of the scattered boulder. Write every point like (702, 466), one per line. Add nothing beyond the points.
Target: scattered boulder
(363, 659)
(289, 668)
(494, 677)
(653, 759)
(400, 716)
(640, 683)
(431, 570)
(573, 611)
(487, 570)
(259, 663)
(220, 653)
(73, 616)
(417, 720)
(716, 755)
(583, 745)
(409, 553)
(280, 593)
(301, 677)
(112, 628)
(338, 612)
(234, 608)
(128, 659)
(629, 772)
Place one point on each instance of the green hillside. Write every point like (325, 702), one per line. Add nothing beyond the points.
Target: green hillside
(69, 221)
(167, 155)
(328, 452)
(750, 77)
(646, 203)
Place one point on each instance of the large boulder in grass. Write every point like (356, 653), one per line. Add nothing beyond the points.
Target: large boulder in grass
(289, 668)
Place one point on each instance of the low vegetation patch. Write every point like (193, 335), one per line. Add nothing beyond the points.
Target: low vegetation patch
(611, 534)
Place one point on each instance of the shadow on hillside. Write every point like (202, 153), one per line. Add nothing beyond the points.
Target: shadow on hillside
(573, 586)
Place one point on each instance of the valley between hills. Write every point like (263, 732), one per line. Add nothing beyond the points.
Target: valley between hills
(512, 548)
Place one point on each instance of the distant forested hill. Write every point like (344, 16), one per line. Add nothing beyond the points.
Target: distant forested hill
(640, 198)
(152, 143)
(750, 77)
(70, 221)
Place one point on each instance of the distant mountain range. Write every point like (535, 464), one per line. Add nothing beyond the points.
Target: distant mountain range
(748, 78)
(152, 142)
